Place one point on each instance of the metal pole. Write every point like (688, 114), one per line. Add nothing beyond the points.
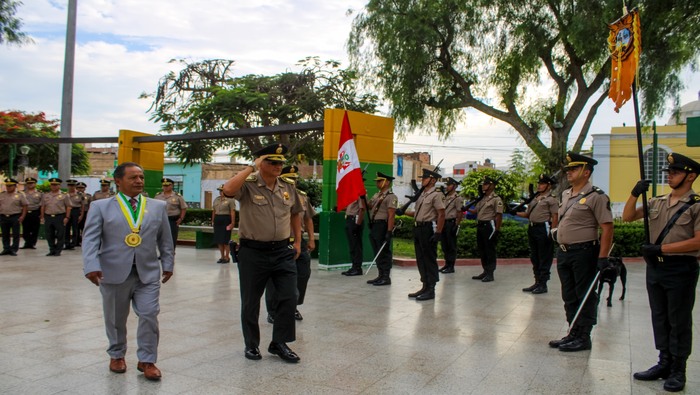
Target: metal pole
(655, 171)
(585, 298)
(64, 150)
(641, 159)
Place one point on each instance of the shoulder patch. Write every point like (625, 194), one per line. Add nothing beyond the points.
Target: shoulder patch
(252, 178)
(287, 180)
(598, 190)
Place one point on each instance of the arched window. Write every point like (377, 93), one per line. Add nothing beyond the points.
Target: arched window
(660, 164)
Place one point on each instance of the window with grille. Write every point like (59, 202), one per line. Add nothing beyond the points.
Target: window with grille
(660, 164)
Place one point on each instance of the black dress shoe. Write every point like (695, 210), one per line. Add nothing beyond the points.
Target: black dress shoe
(579, 343)
(297, 315)
(427, 295)
(541, 289)
(5, 252)
(372, 281)
(270, 318)
(11, 253)
(283, 351)
(447, 270)
(51, 254)
(353, 272)
(531, 287)
(675, 382)
(252, 353)
(25, 247)
(382, 281)
(69, 248)
(654, 373)
(479, 277)
(487, 278)
(57, 253)
(420, 291)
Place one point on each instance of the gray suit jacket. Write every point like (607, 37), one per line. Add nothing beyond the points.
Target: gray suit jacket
(104, 248)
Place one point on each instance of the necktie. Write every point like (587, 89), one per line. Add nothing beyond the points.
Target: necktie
(134, 203)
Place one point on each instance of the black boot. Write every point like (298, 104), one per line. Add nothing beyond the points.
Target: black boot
(569, 337)
(419, 292)
(355, 271)
(533, 286)
(384, 278)
(428, 294)
(374, 280)
(676, 379)
(541, 288)
(659, 371)
(581, 342)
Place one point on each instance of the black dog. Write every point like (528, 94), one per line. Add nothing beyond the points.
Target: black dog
(609, 275)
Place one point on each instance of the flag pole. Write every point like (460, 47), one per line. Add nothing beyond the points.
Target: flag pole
(640, 153)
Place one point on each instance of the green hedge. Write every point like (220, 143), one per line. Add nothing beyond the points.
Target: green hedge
(513, 238)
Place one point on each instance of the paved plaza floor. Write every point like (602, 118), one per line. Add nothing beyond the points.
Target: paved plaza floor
(474, 338)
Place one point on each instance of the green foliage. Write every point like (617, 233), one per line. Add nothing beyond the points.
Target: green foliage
(434, 58)
(508, 186)
(313, 190)
(10, 25)
(205, 96)
(44, 157)
(199, 217)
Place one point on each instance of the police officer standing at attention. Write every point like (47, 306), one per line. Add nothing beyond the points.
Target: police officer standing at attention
(75, 199)
(489, 215)
(55, 210)
(383, 207)
(30, 225)
(453, 217)
(672, 267)
(269, 213)
(87, 199)
(543, 215)
(354, 217)
(584, 208)
(177, 207)
(13, 209)
(430, 220)
(104, 191)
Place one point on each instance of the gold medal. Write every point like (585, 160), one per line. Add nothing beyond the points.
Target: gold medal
(132, 240)
(582, 201)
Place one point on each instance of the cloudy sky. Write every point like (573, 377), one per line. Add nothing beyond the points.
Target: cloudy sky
(124, 47)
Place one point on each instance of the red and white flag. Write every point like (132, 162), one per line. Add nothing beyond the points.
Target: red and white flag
(348, 181)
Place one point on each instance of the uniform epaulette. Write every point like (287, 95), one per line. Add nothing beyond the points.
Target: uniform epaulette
(252, 178)
(302, 192)
(288, 180)
(695, 198)
(598, 190)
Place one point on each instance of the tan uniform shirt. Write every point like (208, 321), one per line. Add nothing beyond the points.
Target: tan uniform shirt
(381, 203)
(542, 209)
(489, 207)
(354, 208)
(12, 203)
(75, 200)
(55, 203)
(87, 198)
(102, 195)
(580, 223)
(175, 202)
(453, 206)
(660, 211)
(428, 204)
(223, 205)
(309, 211)
(265, 214)
(33, 200)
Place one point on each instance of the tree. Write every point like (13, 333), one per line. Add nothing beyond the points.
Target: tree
(44, 157)
(435, 58)
(9, 24)
(507, 187)
(205, 97)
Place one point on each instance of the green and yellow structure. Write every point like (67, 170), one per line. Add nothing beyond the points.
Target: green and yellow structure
(151, 157)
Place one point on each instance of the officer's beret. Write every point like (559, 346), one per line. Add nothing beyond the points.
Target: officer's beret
(10, 181)
(488, 180)
(576, 160)
(381, 176)
(430, 174)
(30, 179)
(55, 180)
(104, 182)
(290, 172)
(545, 179)
(273, 153)
(450, 180)
(167, 181)
(681, 162)
(71, 182)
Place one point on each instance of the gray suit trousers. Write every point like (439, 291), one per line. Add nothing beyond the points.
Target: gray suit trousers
(144, 299)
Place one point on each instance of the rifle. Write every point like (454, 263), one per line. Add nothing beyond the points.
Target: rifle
(416, 192)
(525, 201)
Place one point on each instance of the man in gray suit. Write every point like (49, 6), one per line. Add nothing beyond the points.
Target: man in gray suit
(123, 237)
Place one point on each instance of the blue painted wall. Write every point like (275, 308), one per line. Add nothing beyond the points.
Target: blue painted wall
(191, 178)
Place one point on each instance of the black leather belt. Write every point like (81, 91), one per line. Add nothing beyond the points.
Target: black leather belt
(429, 223)
(379, 220)
(578, 246)
(483, 223)
(350, 216)
(55, 215)
(536, 224)
(450, 219)
(10, 215)
(264, 245)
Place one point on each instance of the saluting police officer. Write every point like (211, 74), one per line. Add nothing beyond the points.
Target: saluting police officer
(383, 207)
(269, 213)
(13, 209)
(177, 207)
(543, 215)
(583, 210)
(55, 210)
(303, 261)
(31, 223)
(104, 191)
(453, 217)
(75, 199)
(354, 224)
(430, 220)
(672, 267)
(489, 216)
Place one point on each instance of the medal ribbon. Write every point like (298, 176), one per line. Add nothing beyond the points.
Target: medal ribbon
(133, 218)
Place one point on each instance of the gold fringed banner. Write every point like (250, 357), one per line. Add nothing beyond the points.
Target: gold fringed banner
(625, 44)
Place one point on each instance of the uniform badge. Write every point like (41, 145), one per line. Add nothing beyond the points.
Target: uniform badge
(285, 195)
(259, 197)
(582, 201)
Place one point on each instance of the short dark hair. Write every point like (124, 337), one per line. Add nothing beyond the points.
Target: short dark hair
(120, 171)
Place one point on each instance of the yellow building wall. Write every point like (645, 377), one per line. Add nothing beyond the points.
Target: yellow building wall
(624, 161)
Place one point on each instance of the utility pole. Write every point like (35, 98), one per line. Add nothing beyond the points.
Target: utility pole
(64, 150)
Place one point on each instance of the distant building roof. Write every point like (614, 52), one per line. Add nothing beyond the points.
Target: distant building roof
(688, 110)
